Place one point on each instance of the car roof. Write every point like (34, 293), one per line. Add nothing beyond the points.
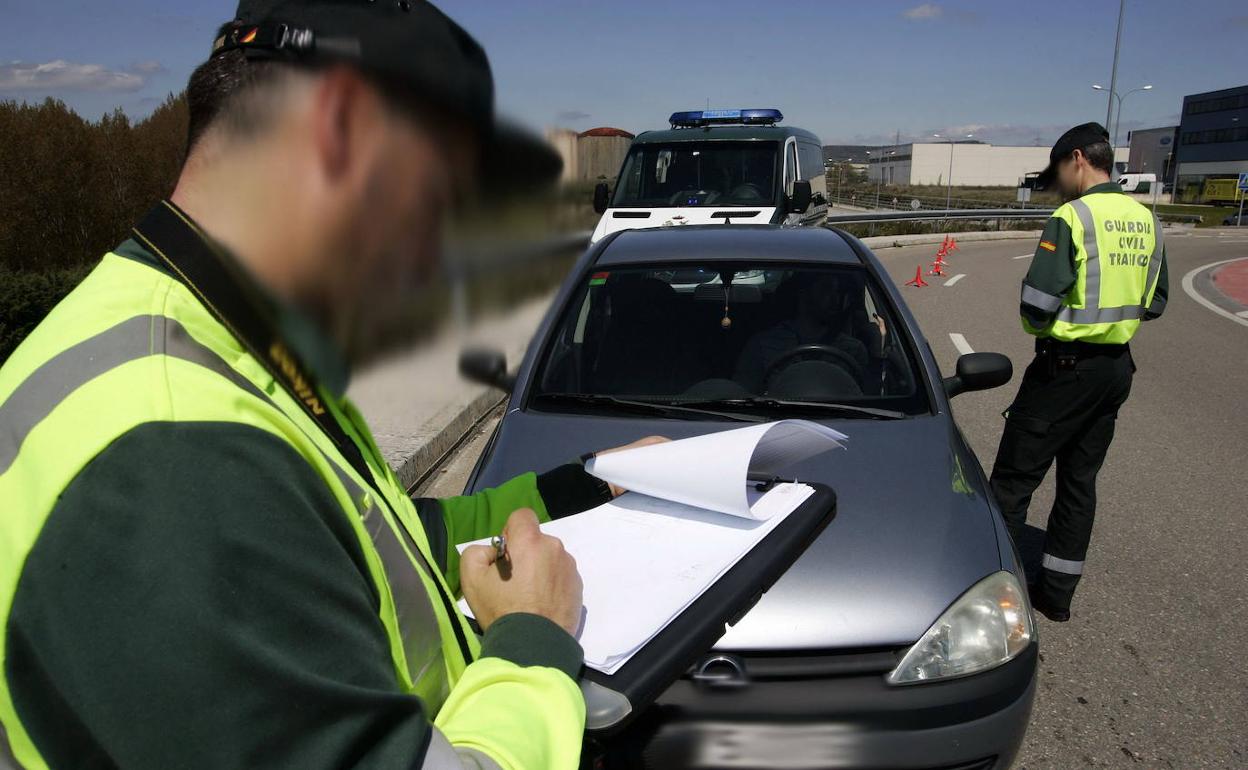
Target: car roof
(719, 243)
(724, 133)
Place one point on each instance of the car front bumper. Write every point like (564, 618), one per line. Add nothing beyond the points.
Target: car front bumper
(973, 723)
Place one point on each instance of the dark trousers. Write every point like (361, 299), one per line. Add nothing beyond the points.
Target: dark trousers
(1065, 410)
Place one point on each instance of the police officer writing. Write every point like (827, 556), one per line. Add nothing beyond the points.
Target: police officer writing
(204, 558)
(1099, 271)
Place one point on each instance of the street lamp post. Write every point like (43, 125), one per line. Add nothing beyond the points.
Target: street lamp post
(1113, 76)
(840, 175)
(1120, 98)
(879, 171)
(949, 187)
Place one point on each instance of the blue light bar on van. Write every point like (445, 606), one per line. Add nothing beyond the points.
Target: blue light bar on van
(725, 117)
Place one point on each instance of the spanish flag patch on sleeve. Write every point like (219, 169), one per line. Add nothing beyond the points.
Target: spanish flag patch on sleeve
(1048, 246)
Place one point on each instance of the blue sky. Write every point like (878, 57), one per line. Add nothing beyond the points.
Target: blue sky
(854, 72)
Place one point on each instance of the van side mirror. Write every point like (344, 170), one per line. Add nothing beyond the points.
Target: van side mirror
(601, 193)
(799, 201)
(979, 371)
(487, 367)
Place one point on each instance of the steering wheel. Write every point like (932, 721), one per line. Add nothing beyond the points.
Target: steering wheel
(829, 353)
(746, 191)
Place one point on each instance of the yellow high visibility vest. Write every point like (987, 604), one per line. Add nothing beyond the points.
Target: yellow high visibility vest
(1118, 254)
(131, 345)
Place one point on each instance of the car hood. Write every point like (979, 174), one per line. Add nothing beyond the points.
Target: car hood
(913, 528)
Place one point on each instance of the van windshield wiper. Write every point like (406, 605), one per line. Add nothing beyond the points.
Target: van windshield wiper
(653, 407)
(767, 402)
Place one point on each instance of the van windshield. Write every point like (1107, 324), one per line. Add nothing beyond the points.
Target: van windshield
(699, 174)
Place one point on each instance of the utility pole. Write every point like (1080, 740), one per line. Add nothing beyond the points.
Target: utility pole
(1113, 75)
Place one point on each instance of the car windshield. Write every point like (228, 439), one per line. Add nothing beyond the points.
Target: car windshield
(753, 338)
(698, 174)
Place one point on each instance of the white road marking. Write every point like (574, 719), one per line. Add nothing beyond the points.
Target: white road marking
(1191, 292)
(1023, 256)
(960, 343)
(1242, 314)
(955, 279)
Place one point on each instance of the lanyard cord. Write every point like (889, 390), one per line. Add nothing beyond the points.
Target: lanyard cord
(214, 280)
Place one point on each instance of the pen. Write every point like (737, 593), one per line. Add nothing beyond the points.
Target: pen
(499, 543)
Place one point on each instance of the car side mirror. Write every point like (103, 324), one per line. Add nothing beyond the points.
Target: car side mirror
(979, 371)
(601, 193)
(487, 367)
(799, 201)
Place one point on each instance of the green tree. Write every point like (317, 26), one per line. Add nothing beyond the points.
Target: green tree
(69, 191)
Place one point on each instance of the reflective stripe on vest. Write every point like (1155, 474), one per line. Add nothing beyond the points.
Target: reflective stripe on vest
(412, 603)
(50, 384)
(38, 395)
(1092, 312)
(131, 339)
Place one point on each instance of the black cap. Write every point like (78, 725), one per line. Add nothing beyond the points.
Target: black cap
(406, 41)
(1077, 138)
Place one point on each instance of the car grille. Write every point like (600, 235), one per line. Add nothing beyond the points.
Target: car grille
(760, 667)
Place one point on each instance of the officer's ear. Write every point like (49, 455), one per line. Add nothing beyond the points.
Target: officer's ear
(340, 118)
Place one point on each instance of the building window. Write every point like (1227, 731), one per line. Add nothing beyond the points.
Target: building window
(1216, 136)
(1218, 104)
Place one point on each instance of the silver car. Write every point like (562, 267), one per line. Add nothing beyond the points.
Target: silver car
(902, 638)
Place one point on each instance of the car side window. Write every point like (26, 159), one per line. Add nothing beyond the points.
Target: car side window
(811, 161)
(790, 167)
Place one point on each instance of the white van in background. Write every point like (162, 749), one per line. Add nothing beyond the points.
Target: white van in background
(717, 167)
(1137, 183)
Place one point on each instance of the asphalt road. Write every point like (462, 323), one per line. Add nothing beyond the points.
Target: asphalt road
(1152, 671)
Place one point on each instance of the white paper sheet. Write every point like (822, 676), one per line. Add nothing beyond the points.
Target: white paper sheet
(647, 555)
(708, 471)
(643, 560)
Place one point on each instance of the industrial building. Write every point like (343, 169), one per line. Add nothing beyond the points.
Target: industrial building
(1212, 144)
(1152, 152)
(590, 155)
(969, 164)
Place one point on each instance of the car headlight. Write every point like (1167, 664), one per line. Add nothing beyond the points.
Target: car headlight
(988, 625)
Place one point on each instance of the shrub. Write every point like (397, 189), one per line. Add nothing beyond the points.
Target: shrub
(26, 296)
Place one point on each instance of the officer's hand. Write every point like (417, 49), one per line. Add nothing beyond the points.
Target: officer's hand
(647, 441)
(538, 576)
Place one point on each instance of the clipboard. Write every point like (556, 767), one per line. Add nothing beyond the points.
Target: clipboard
(613, 701)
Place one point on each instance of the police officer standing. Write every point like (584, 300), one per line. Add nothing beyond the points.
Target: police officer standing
(204, 559)
(1098, 271)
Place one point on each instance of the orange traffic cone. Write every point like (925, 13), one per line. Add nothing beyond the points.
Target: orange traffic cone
(953, 245)
(918, 278)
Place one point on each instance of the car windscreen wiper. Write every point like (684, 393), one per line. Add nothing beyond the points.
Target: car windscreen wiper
(767, 402)
(652, 407)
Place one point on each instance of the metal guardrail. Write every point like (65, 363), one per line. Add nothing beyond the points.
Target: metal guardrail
(896, 202)
(999, 214)
(927, 214)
